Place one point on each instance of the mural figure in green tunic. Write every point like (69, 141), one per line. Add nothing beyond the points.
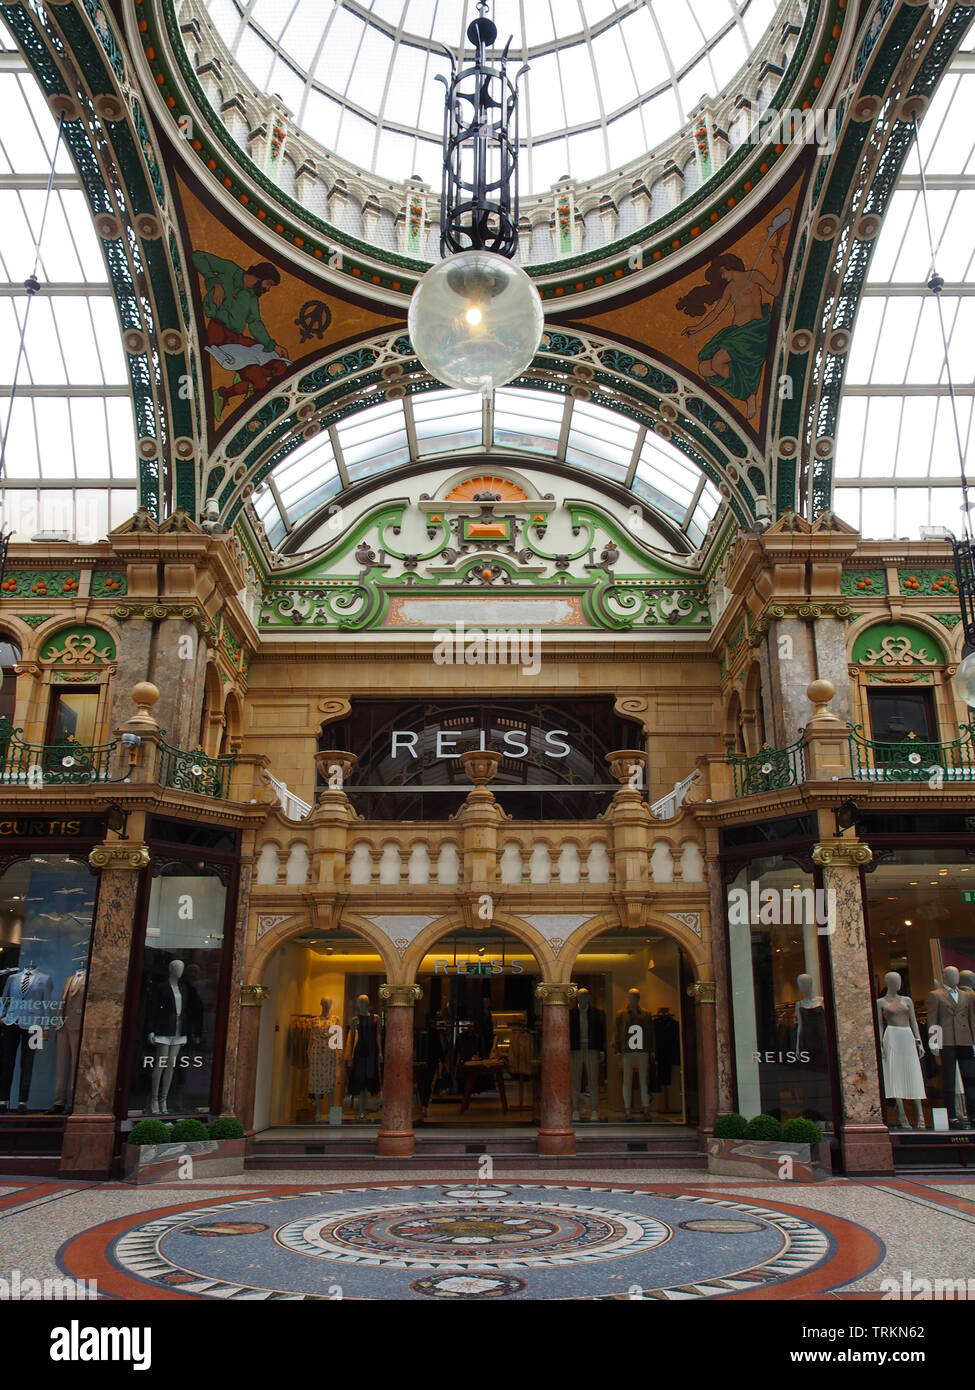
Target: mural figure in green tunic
(734, 357)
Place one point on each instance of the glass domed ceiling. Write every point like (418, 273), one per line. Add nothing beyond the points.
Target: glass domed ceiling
(609, 79)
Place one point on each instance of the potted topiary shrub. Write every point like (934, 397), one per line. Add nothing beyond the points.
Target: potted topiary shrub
(764, 1147)
(187, 1149)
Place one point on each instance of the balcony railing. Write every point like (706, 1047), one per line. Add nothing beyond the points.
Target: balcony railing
(913, 759)
(37, 765)
(195, 772)
(768, 770)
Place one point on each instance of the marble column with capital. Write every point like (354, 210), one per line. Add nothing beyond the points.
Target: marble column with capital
(555, 1132)
(248, 1039)
(704, 994)
(89, 1134)
(396, 1137)
(863, 1132)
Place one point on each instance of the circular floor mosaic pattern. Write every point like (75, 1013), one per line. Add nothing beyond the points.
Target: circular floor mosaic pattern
(441, 1241)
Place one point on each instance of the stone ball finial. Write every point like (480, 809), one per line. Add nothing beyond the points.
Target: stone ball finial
(820, 692)
(145, 694)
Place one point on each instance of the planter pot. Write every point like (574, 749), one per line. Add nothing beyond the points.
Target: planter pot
(212, 1158)
(753, 1158)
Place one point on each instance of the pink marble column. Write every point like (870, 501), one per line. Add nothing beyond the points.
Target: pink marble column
(89, 1135)
(703, 994)
(863, 1131)
(555, 1132)
(396, 1135)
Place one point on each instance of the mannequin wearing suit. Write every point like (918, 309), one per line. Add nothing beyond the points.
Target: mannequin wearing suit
(24, 1004)
(634, 1034)
(166, 1017)
(587, 1041)
(68, 1038)
(951, 1032)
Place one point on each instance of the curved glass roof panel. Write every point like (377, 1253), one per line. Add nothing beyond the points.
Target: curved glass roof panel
(382, 436)
(897, 466)
(608, 79)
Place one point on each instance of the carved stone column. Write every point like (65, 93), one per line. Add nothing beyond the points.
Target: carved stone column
(248, 1036)
(555, 1132)
(396, 1135)
(89, 1135)
(704, 993)
(863, 1133)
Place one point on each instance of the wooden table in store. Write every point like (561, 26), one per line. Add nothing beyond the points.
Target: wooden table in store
(471, 1070)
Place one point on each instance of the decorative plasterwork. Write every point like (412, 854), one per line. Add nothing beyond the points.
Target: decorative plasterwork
(691, 920)
(556, 927)
(400, 928)
(119, 854)
(842, 854)
(267, 921)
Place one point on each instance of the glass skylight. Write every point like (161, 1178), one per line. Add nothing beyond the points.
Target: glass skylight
(896, 424)
(608, 80)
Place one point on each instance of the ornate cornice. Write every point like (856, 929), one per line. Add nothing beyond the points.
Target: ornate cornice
(159, 612)
(400, 996)
(119, 854)
(824, 608)
(842, 854)
(555, 994)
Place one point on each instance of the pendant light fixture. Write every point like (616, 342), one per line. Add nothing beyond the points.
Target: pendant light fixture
(475, 318)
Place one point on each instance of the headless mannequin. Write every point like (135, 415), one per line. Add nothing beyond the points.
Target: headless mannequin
(322, 1036)
(360, 1018)
(661, 1062)
(633, 1043)
(895, 1010)
(167, 1047)
(951, 1030)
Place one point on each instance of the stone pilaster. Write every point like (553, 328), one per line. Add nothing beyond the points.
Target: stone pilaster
(396, 1135)
(555, 1132)
(248, 1035)
(863, 1133)
(89, 1136)
(232, 1051)
(724, 1049)
(704, 993)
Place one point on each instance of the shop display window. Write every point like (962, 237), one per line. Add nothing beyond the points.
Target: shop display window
(9, 657)
(73, 716)
(47, 905)
(321, 1049)
(782, 1028)
(630, 1037)
(179, 992)
(921, 916)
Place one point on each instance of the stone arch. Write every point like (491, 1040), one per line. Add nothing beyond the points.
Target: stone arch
(233, 713)
(733, 724)
(259, 956)
(430, 935)
(692, 945)
(753, 709)
(212, 719)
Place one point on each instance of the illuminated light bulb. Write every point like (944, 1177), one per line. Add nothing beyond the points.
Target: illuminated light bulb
(475, 321)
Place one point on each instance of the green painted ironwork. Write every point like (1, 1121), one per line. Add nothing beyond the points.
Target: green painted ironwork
(195, 772)
(66, 764)
(913, 759)
(768, 770)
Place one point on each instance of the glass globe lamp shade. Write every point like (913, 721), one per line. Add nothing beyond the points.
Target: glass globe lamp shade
(475, 321)
(964, 681)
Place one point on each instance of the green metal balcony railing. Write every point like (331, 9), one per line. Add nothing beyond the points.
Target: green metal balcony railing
(37, 765)
(913, 759)
(195, 772)
(768, 770)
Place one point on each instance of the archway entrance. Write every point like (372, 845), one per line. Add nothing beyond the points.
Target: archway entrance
(632, 1035)
(477, 1032)
(320, 1051)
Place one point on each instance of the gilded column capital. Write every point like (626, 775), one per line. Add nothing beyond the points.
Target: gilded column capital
(702, 991)
(400, 996)
(254, 994)
(555, 994)
(842, 854)
(119, 854)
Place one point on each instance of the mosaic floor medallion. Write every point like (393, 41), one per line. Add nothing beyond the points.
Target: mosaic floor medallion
(445, 1241)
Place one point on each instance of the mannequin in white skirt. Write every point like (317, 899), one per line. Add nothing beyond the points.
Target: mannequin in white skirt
(902, 1050)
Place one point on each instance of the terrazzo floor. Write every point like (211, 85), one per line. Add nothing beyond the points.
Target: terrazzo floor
(531, 1237)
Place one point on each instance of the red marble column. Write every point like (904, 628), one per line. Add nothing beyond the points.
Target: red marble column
(555, 1132)
(396, 1137)
(245, 1087)
(707, 1041)
(89, 1135)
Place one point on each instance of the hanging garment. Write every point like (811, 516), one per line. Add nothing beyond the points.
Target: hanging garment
(362, 1044)
(321, 1057)
(666, 1037)
(811, 1036)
